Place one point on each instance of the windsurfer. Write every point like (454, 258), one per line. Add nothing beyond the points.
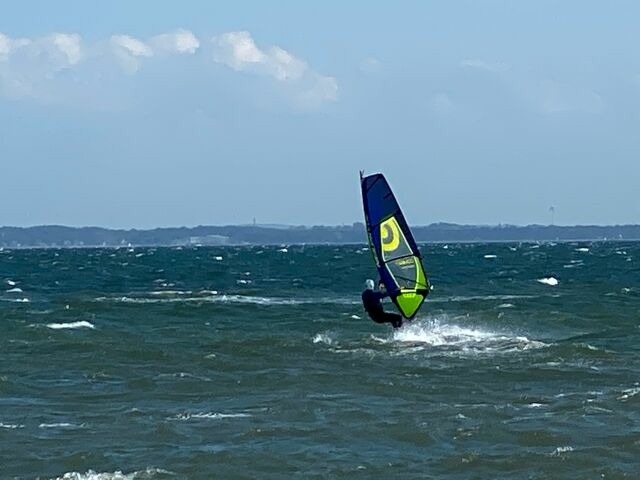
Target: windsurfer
(372, 301)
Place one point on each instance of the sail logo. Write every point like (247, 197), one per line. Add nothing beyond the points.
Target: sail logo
(406, 262)
(390, 235)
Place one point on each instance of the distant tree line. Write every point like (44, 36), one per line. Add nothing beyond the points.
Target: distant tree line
(60, 236)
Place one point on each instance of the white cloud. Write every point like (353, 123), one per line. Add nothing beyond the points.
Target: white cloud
(69, 45)
(5, 46)
(46, 67)
(131, 45)
(180, 42)
(321, 89)
(555, 97)
(9, 45)
(128, 51)
(543, 96)
(370, 65)
(238, 51)
(285, 66)
(482, 65)
(57, 50)
(27, 64)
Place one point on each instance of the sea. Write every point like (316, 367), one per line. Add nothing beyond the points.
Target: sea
(258, 362)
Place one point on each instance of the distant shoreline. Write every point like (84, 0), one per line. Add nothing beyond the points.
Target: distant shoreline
(55, 236)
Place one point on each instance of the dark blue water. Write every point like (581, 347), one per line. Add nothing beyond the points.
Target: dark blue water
(257, 362)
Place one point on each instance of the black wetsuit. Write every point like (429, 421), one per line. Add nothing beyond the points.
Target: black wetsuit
(372, 304)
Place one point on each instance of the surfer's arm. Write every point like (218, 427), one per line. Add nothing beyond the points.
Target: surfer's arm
(381, 295)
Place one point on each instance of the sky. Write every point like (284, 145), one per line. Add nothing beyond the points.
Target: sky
(153, 113)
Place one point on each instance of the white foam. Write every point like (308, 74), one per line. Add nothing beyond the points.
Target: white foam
(436, 333)
(11, 283)
(552, 281)
(628, 393)
(208, 416)
(283, 250)
(14, 290)
(218, 258)
(239, 299)
(117, 475)
(561, 450)
(208, 292)
(490, 256)
(186, 375)
(242, 281)
(170, 292)
(506, 305)
(11, 426)
(258, 300)
(582, 249)
(284, 301)
(70, 325)
(356, 317)
(325, 338)
(486, 297)
(60, 425)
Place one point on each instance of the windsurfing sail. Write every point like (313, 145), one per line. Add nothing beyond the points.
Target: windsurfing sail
(395, 251)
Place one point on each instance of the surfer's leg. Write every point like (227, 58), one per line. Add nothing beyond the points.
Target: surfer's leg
(394, 319)
(388, 317)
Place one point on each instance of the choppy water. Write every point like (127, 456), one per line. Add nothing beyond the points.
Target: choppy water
(257, 363)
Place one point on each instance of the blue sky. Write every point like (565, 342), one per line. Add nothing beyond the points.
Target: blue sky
(143, 114)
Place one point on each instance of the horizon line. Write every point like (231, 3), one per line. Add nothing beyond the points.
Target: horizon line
(353, 224)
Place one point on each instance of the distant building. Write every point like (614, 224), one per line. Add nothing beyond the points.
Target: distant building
(209, 240)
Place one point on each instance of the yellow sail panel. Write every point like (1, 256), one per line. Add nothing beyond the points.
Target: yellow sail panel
(404, 268)
(394, 244)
